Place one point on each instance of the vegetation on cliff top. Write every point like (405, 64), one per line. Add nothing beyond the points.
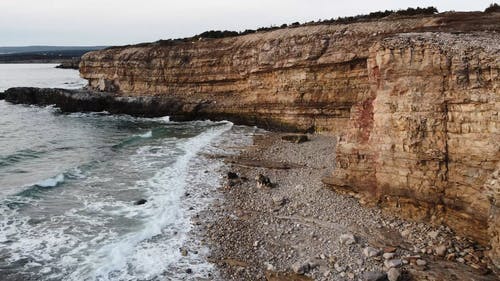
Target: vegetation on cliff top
(216, 34)
(493, 8)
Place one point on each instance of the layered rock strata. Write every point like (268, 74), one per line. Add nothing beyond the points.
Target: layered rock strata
(306, 78)
(414, 101)
(426, 140)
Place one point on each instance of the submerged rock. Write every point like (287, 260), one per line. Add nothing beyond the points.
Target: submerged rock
(141, 202)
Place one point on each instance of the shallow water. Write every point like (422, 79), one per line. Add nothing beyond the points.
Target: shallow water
(69, 183)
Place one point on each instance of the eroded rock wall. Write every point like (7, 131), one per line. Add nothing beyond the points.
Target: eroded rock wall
(306, 77)
(417, 113)
(426, 139)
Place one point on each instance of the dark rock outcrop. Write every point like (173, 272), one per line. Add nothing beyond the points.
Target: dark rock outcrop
(70, 64)
(177, 108)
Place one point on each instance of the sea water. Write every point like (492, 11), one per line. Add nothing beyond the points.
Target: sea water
(69, 184)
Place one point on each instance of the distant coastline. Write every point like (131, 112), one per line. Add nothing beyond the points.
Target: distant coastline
(67, 57)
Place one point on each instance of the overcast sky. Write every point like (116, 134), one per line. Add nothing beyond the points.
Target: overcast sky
(117, 22)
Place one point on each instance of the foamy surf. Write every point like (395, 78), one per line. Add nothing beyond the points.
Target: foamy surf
(51, 182)
(89, 227)
(114, 260)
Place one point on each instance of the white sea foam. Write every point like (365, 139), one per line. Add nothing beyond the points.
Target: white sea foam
(51, 182)
(130, 257)
(106, 236)
(148, 134)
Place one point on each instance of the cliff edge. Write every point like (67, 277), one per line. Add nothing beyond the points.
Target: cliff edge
(415, 102)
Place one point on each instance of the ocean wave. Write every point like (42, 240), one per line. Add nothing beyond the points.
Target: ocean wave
(114, 260)
(51, 182)
(100, 234)
(19, 156)
(148, 134)
(34, 190)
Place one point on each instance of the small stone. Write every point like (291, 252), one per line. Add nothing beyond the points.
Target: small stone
(388, 256)
(295, 138)
(280, 200)
(232, 175)
(451, 256)
(393, 263)
(189, 271)
(393, 274)
(338, 267)
(301, 267)
(405, 233)
(350, 275)
(263, 181)
(440, 250)
(421, 262)
(390, 249)
(374, 276)
(433, 234)
(256, 243)
(269, 266)
(183, 251)
(332, 259)
(370, 252)
(460, 260)
(347, 239)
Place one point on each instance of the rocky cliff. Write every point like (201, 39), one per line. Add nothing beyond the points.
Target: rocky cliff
(426, 140)
(415, 102)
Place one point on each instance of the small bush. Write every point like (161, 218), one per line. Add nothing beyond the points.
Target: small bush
(247, 31)
(214, 34)
(493, 8)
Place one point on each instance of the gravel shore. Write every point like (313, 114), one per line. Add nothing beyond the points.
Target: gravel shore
(276, 221)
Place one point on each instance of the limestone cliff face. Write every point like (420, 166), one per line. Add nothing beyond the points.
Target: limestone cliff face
(427, 136)
(305, 77)
(415, 105)
(426, 140)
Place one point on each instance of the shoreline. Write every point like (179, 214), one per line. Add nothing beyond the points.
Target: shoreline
(296, 226)
(299, 229)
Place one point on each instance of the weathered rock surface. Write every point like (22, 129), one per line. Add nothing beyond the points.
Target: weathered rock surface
(417, 112)
(306, 78)
(427, 137)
